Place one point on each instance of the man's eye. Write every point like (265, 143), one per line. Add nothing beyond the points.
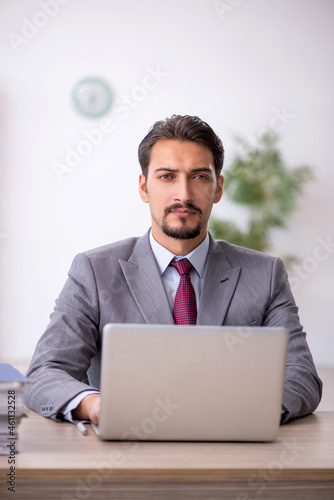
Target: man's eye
(201, 177)
(165, 176)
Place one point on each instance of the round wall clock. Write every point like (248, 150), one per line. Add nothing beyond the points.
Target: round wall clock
(92, 97)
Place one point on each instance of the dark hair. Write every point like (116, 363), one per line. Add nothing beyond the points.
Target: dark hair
(182, 128)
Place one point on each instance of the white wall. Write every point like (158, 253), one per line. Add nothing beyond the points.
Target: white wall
(236, 67)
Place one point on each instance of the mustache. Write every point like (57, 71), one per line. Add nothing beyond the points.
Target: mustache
(188, 206)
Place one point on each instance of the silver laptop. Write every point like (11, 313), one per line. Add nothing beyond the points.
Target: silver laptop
(191, 383)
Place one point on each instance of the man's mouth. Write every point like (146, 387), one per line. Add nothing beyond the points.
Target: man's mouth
(182, 211)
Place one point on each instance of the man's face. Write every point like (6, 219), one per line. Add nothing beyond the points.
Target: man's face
(181, 187)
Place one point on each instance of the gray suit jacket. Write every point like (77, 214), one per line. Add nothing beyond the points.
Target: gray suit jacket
(120, 283)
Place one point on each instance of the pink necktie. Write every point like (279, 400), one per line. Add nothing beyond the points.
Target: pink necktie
(185, 311)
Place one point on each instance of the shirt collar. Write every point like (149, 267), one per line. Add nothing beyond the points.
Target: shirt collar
(197, 257)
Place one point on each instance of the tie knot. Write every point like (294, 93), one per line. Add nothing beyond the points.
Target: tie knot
(183, 266)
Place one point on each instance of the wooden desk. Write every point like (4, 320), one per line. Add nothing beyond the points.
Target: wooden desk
(56, 462)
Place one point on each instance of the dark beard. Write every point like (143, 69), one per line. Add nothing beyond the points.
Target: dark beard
(182, 233)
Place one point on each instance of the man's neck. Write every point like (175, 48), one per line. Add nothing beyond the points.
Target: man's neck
(176, 246)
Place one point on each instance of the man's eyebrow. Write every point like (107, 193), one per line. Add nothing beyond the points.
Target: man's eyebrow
(193, 170)
(201, 169)
(165, 169)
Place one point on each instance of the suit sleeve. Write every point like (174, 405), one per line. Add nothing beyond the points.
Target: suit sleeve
(302, 387)
(64, 352)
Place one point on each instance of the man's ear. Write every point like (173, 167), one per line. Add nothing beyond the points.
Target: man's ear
(219, 192)
(142, 188)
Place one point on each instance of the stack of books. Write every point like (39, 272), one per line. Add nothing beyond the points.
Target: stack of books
(12, 409)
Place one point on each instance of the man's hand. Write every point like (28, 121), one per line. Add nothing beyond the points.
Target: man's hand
(88, 409)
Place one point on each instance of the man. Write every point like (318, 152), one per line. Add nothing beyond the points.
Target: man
(132, 281)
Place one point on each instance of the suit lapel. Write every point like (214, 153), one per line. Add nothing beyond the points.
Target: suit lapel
(143, 278)
(219, 283)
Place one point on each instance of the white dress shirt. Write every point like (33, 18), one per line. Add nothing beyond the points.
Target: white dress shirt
(170, 279)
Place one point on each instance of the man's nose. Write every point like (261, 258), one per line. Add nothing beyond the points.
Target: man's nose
(183, 193)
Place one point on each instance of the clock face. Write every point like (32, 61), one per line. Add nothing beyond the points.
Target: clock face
(92, 97)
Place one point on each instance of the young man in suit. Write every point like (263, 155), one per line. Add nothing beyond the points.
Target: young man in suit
(132, 281)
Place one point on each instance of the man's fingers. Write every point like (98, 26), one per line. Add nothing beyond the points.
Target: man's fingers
(94, 411)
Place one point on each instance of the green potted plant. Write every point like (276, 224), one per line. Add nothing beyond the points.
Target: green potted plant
(260, 180)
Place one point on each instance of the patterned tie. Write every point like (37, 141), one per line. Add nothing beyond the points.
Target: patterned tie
(185, 311)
